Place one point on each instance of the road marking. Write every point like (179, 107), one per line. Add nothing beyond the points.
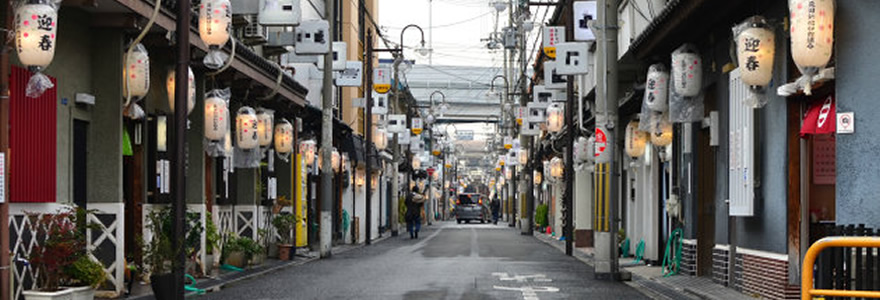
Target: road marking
(528, 292)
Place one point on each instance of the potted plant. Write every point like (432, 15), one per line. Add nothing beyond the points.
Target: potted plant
(235, 251)
(65, 269)
(159, 255)
(212, 240)
(284, 225)
(255, 251)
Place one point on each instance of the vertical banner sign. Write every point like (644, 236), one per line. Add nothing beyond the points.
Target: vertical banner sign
(416, 126)
(382, 80)
(583, 12)
(600, 146)
(300, 200)
(552, 35)
(2, 177)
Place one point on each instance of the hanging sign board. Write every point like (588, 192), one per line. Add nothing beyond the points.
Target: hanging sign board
(416, 125)
(403, 139)
(573, 58)
(845, 124)
(553, 79)
(520, 114)
(382, 80)
(397, 123)
(351, 75)
(584, 12)
(551, 36)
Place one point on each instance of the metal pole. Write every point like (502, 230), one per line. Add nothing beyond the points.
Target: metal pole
(427, 204)
(368, 134)
(570, 137)
(5, 282)
(179, 156)
(326, 223)
(526, 144)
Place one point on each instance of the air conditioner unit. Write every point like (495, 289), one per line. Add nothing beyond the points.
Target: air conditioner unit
(254, 34)
(279, 12)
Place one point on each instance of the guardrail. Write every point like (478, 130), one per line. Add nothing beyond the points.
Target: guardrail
(807, 277)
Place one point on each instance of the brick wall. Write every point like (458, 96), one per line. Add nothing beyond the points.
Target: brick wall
(720, 265)
(689, 257)
(763, 274)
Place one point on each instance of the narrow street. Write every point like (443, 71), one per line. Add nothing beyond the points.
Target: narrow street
(448, 261)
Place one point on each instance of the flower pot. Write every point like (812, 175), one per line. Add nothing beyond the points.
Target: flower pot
(237, 259)
(65, 293)
(273, 250)
(257, 259)
(163, 286)
(284, 251)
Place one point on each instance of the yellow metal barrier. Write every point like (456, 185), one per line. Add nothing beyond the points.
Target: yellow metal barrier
(807, 272)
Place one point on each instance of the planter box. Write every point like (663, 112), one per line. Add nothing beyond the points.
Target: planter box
(237, 259)
(70, 293)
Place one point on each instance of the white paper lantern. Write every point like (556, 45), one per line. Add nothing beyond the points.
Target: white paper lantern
(136, 73)
(284, 137)
(264, 127)
(335, 160)
(416, 163)
(555, 117)
(191, 90)
(246, 128)
(35, 28)
(755, 52)
(811, 31)
(380, 139)
(307, 150)
(216, 118)
(556, 167)
(360, 177)
(508, 173)
(523, 156)
(656, 87)
(215, 17)
(662, 130)
(536, 177)
(635, 140)
(687, 72)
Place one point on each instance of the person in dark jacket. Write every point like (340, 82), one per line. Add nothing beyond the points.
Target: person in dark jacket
(494, 205)
(414, 203)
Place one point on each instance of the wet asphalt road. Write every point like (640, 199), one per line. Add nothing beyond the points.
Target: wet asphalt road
(448, 261)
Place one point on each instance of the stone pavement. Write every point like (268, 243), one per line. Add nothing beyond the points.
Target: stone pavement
(650, 280)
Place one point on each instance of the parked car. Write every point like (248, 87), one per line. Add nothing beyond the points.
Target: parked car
(470, 207)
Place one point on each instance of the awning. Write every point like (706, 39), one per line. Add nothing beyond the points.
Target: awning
(820, 118)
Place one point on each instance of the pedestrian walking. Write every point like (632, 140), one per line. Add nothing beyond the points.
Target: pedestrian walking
(414, 203)
(494, 205)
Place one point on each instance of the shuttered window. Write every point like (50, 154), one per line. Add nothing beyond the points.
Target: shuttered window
(32, 141)
(741, 136)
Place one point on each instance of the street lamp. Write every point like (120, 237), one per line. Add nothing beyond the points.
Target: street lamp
(443, 106)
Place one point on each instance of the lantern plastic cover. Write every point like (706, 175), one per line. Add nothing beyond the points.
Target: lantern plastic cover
(755, 57)
(284, 139)
(216, 121)
(215, 19)
(811, 30)
(191, 90)
(134, 111)
(246, 139)
(555, 117)
(136, 73)
(656, 83)
(265, 124)
(635, 140)
(686, 98)
(35, 40)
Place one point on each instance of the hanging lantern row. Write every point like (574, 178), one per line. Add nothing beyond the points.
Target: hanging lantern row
(811, 34)
(556, 168)
(35, 39)
(216, 115)
(656, 88)
(307, 150)
(284, 137)
(246, 128)
(662, 130)
(536, 177)
(265, 125)
(136, 73)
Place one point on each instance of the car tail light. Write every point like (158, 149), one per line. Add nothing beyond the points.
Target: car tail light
(480, 201)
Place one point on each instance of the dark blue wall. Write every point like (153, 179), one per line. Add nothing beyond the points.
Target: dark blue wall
(856, 89)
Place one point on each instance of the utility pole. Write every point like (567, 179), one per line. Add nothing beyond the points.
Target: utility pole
(326, 223)
(430, 166)
(606, 263)
(5, 265)
(179, 156)
(569, 171)
(368, 129)
(525, 144)
(396, 151)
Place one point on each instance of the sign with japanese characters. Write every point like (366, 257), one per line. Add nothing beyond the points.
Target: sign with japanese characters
(351, 75)
(583, 13)
(572, 59)
(551, 36)
(382, 80)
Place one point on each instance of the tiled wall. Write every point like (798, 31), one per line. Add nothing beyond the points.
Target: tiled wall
(764, 274)
(689, 258)
(720, 265)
